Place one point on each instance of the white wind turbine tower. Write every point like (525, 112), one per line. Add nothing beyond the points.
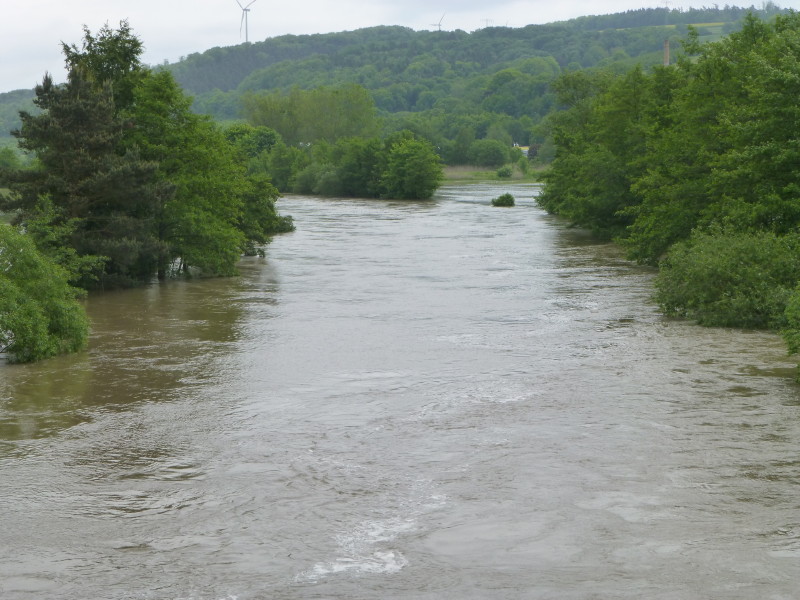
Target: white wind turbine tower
(439, 24)
(245, 10)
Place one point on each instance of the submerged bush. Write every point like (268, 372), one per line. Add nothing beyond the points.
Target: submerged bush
(730, 279)
(503, 200)
(39, 314)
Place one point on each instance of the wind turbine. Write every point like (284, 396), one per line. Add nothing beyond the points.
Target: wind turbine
(245, 10)
(439, 24)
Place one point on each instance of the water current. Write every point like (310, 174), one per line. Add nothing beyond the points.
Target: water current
(413, 400)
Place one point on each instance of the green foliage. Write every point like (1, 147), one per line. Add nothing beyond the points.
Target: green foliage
(791, 333)
(284, 163)
(39, 314)
(104, 193)
(488, 153)
(401, 166)
(413, 171)
(199, 224)
(730, 279)
(503, 200)
(693, 168)
(111, 56)
(600, 139)
(11, 103)
(320, 114)
(358, 166)
(436, 84)
(9, 159)
(129, 183)
(505, 172)
(251, 141)
(438, 61)
(650, 157)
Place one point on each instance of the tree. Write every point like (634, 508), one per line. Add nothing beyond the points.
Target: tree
(488, 153)
(413, 170)
(104, 192)
(39, 314)
(198, 226)
(111, 56)
(358, 166)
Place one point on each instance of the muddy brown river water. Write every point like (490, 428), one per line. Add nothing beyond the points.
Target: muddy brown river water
(404, 400)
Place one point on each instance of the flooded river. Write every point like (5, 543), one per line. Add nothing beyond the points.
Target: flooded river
(414, 400)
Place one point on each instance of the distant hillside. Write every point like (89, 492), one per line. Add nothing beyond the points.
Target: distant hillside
(409, 70)
(497, 69)
(584, 41)
(10, 105)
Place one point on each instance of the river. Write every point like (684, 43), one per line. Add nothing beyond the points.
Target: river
(414, 400)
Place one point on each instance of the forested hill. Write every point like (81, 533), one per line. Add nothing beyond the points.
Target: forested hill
(381, 56)
(500, 70)
(305, 59)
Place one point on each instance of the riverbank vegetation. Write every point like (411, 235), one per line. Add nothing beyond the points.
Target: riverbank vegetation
(325, 142)
(39, 312)
(127, 185)
(693, 167)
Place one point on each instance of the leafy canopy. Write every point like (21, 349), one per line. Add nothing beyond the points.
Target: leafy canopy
(39, 314)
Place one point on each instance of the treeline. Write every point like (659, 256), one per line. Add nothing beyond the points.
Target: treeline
(128, 184)
(653, 17)
(326, 143)
(451, 88)
(378, 57)
(491, 85)
(693, 168)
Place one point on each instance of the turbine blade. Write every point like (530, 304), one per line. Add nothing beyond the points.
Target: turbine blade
(240, 4)
(241, 23)
(253, 2)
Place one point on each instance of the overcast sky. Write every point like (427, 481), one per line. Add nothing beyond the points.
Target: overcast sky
(31, 30)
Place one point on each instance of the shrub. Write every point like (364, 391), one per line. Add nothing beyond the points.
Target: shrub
(503, 200)
(39, 314)
(504, 172)
(728, 279)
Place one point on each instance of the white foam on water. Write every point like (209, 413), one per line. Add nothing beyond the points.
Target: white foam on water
(360, 555)
(387, 562)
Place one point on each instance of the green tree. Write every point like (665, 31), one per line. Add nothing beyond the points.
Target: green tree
(39, 313)
(251, 141)
(413, 170)
(198, 226)
(358, 166)
(105, 193)
(600, 138)
(488, 153)
(110, 56)
(284, 163)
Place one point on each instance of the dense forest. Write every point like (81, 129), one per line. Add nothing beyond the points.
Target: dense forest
(693, 168)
